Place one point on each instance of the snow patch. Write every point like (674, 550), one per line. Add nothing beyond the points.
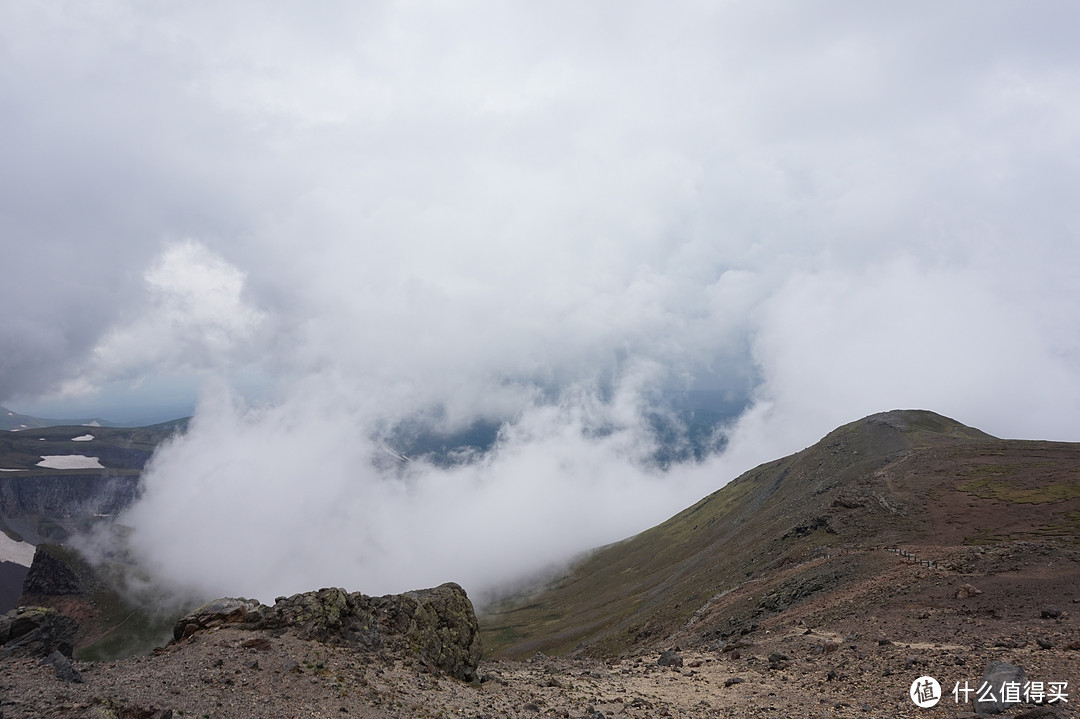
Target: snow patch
(17, 552)
(69, 461)
(95, 423)
(82, 438)
(11, 470)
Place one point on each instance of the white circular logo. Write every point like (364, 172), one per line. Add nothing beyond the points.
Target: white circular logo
(925, 692)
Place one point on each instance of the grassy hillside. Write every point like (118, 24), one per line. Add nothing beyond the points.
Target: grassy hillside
(797, 527)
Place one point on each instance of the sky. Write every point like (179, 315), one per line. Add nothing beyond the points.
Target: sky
(314, 223)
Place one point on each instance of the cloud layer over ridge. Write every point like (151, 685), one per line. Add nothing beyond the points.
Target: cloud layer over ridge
(549, 218)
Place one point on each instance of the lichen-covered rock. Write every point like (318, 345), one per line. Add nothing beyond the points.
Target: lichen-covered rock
(36, 632)
(443, 630)
(437, 626)
(213, 614)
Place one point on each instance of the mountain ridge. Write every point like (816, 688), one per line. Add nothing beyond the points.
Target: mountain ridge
(844, 494)
(900, 546)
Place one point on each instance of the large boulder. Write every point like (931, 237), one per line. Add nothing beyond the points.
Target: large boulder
(437, 626)
(36, 632)
(995, 675)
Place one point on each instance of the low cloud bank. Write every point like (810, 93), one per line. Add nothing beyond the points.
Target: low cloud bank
(271, 499)
(545, 218)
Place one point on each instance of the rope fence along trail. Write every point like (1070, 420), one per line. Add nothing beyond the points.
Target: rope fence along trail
(911, 557)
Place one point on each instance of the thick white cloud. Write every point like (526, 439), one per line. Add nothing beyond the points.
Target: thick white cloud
(544, 215)
(194, 318)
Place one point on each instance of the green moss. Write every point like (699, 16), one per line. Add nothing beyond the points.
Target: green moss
(1006, 491)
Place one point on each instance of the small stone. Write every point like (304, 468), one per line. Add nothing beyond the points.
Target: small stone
(670, 658)
(261, 644)
(1050, 613)
(730, 681)
(1044, 643)
(967, 591)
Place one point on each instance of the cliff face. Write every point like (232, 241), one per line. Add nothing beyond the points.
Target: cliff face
(67, 494)
(46, 505)
(43, 507)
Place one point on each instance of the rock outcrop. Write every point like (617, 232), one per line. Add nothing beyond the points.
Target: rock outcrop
(49, 575)
(36, 632)
(437, 626)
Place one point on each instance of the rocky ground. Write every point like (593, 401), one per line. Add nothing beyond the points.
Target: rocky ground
(853, 655)
(230, 673)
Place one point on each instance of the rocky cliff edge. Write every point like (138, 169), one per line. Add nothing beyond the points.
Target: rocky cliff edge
(437, 626)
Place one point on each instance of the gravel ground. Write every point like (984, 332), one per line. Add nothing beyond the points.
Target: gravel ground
(237, 673)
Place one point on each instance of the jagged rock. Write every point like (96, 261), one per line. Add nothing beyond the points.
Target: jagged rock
(846, 502)
(228, 610)
(36, 632)
(1051, 613)
(65, 670)
(778, 660)
(995, 675)
(670, 659)
(50, 576)
(803, 530)
(438, 626)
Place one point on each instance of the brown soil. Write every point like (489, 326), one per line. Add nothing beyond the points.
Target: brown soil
(854, 650)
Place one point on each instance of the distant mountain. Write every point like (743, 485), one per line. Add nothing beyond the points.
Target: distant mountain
(10, 420)
(56, 480)
(810, 534)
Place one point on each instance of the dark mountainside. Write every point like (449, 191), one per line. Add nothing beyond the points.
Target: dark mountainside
(822, 584)
(801, 528)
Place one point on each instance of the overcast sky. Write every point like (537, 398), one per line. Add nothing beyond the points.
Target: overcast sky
(330, 217)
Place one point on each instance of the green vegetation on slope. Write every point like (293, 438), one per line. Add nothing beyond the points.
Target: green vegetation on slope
(867, 485)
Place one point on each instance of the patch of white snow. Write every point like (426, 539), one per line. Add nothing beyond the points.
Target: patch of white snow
(69, 461)
(82, 438)
(17, 552)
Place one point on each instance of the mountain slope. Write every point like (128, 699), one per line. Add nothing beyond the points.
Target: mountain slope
(796, 529)
(11, 420)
